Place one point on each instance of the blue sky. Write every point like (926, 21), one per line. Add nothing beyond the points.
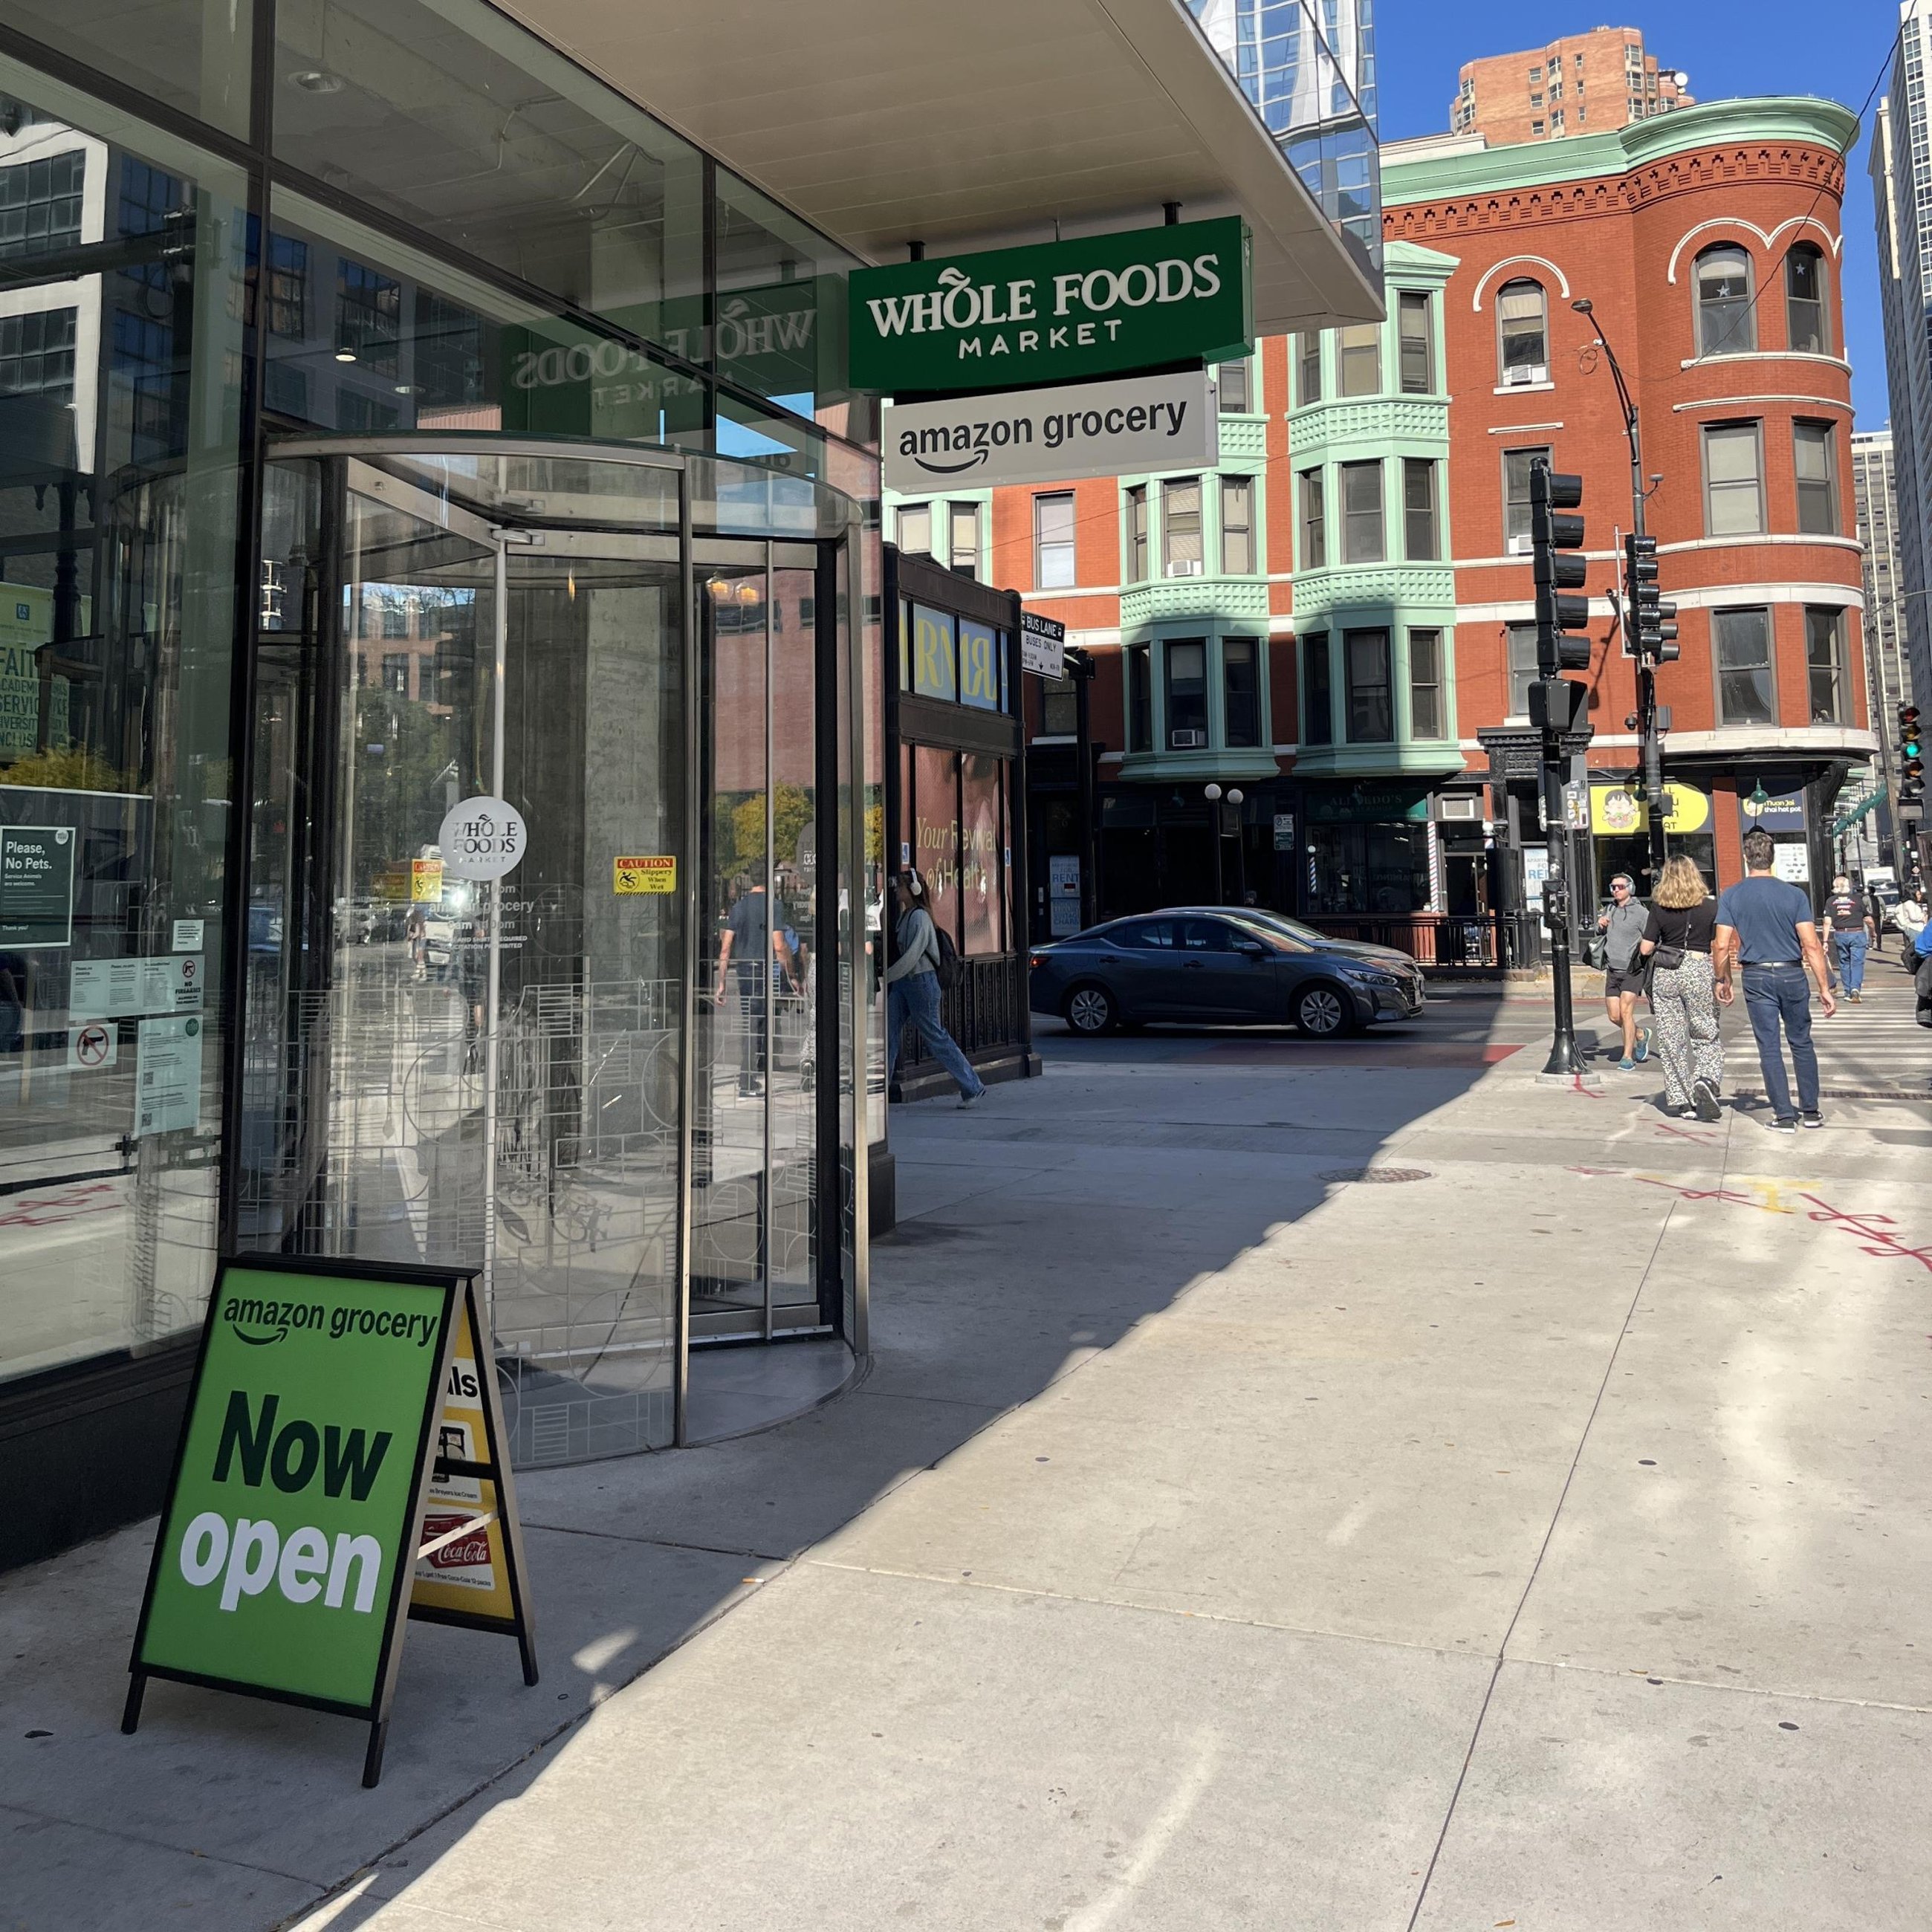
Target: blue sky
(1728, 47)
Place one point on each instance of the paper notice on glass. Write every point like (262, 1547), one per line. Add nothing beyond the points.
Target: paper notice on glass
(101, 989)
(167, 1076)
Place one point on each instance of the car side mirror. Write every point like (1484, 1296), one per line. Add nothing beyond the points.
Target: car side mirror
(1253, 948)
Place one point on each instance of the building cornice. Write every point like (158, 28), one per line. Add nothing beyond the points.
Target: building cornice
(1802, 118)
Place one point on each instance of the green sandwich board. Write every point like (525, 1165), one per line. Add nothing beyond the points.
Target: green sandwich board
(288, 1542)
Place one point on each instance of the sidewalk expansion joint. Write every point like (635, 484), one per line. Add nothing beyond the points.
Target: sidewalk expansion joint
(164, 1845)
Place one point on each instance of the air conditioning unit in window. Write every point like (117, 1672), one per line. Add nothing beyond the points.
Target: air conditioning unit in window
(1184, 566)
(1453, 808)
(1522, 545)
(1188, 741)
(1531, 372)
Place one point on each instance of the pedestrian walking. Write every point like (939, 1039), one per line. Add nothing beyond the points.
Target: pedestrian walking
(912, 990)
(747, 938)
(1909, 915)
(1622, 926)
(1677, 942)
(1765, 928)
(1849, 923)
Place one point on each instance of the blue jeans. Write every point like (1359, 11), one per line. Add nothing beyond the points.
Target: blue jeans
(1851, 950)
(914, 1001)
(1781, 995)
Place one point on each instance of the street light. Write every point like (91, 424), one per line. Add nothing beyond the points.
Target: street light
(1212, 793)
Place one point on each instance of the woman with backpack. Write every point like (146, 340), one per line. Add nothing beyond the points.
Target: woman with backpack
(913, 988)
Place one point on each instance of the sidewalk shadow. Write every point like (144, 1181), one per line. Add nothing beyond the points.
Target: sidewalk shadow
(1036, 1232)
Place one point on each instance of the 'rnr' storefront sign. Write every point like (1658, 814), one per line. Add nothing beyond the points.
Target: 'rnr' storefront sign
(1055, 313)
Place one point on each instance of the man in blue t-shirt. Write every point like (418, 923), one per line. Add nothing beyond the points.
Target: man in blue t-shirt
(1766, 925)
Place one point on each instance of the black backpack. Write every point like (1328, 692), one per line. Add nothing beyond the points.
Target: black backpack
(947, 971)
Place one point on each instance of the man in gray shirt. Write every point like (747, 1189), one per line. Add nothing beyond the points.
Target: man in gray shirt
(1622, 928)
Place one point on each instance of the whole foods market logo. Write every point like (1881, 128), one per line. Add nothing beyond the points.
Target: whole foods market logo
(1073, 310)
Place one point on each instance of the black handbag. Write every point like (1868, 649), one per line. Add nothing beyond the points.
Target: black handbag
(1666, 959)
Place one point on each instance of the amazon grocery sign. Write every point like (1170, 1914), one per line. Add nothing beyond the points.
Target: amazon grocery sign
(1059, 312)
(1049, 435)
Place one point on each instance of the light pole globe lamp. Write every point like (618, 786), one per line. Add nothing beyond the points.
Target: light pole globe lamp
(1211, 792)
(1235, 794)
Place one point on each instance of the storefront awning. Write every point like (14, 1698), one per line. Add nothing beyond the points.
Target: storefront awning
(974, 126)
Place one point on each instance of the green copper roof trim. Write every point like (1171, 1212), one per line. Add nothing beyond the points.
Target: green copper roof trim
(1523, 164)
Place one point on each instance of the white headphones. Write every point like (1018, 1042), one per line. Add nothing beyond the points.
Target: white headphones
(915, 884)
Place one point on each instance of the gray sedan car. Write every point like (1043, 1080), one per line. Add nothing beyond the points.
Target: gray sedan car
(1209, 965)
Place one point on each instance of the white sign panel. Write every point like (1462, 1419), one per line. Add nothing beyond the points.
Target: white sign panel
(1284, 831)
(103, 989)
(1793, 863)
(1062, 891)
(1042, 645)
(167, 1078)
(1052, 436)
(482, 838)
(188, 934)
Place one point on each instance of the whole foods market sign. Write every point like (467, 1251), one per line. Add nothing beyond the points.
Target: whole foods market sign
(1055, 313)
(1046, 435)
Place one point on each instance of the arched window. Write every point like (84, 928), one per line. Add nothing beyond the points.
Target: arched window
(1522, 332)
(1804, 329)
(1725, 323)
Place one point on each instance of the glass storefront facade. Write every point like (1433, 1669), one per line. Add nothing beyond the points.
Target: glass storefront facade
(431, 423)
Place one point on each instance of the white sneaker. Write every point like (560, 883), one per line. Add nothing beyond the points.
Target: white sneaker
(969, 1099)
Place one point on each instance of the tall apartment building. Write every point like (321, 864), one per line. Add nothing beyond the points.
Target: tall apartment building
(1900, 164)
(1888, 675)
(1583, 84)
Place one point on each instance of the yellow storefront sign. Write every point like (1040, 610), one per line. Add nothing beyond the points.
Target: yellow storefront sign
(425, 880)
(1615, 811)
(655, 872)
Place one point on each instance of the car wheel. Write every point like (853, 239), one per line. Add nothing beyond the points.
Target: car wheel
(1090, 1010)
(1321, 1011)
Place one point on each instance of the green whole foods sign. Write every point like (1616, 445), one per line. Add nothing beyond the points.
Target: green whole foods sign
(287, 1545)
(1055, 313)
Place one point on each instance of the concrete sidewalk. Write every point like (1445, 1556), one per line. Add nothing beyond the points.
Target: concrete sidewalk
(1535, 1530)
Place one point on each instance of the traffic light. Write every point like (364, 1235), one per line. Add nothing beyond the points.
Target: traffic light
(1912, 762)
(1552, 536)
(1653, 629)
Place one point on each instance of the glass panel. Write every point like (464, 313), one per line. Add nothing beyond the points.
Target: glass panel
(934, 673)
(119, 480)
(978, 666)
(1140, 702)
(1180, 526)
(1523, 668)
(1418, 373)
(979, 776)
(1824, 632)
(1425, 684)
(189, 54)
(1053, 541)
(965, 526)
(1371, 713)
(1521, 309)
(1734, 503)
(1517, 464)
(1726, 321)
(1418, 504)
(781, 302)
(1745, 691)
(1237, 525)
(1308, 383)
(1241, 691)
(368, 337)
(1362, 512)
(1813, 448)
(452, 117)
(935, 844)
(1234, 387)
(1137, 534)
(1804, 301)
(1358, 359)
(915, 529)
(1314, 526)
(1187, 693)
(1318, 705)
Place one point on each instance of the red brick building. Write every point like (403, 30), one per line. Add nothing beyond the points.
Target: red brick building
(1335, 620)
(1583, 84)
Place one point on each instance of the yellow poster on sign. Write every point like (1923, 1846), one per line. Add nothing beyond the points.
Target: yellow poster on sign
(462, 1527)
(655, 872)
(425, 880)
(1616, 810)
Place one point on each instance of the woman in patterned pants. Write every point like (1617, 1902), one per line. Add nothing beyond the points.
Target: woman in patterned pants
(1683, 996)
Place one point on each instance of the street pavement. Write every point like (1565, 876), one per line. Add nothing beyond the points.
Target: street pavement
(1296, 1485)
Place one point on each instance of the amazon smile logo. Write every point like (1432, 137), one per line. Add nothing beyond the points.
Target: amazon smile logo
(263, 1323)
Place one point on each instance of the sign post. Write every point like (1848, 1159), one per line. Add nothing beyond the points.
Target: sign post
(290, 1539)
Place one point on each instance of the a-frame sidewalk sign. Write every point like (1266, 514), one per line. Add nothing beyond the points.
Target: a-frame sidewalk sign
(334, 1405)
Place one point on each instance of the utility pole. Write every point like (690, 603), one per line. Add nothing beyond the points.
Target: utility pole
(1650, 724)
(1079, 666)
